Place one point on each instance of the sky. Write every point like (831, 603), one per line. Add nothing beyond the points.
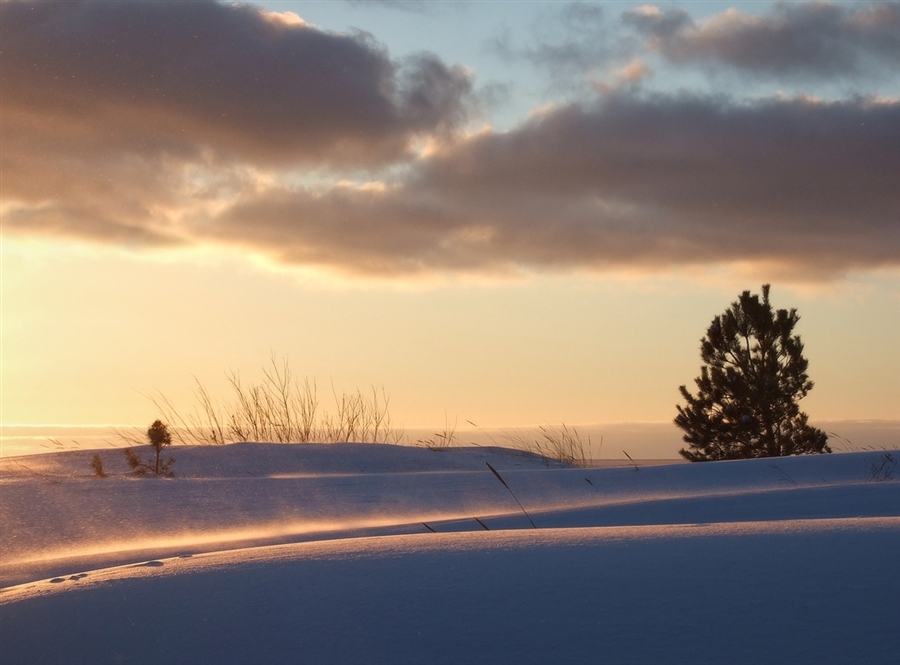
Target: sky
(509, 213)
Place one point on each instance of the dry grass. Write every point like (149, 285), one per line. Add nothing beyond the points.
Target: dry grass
(443, 439)
(563, 444)
(279, 409)
(97, 466)
(282, 408)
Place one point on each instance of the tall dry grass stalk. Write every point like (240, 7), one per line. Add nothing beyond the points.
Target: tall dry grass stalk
(279, 409)
(509, 489)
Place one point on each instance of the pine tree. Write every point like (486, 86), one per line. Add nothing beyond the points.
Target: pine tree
(159, 438)
(754, 374)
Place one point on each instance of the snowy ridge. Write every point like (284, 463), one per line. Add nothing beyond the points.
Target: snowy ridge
(364, 553)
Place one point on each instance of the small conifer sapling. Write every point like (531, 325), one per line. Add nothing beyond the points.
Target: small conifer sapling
(159, 437)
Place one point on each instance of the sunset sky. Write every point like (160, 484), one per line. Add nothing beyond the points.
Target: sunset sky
(512, 213)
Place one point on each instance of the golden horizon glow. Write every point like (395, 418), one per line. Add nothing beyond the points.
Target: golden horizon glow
(550, 349)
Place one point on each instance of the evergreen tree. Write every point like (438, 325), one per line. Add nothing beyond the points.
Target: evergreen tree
(159, 438)
(754, 374)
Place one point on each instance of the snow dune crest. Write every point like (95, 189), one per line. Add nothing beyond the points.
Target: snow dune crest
(367, 553)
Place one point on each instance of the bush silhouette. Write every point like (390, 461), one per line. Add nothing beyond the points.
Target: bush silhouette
(754, 374)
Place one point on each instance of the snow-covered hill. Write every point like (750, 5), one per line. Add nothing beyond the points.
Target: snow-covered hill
(387, 554)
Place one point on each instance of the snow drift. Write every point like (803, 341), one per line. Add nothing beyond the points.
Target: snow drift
(385, 554)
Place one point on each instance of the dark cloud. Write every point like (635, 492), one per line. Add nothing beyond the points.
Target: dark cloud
(805, 188)
(155, 77)
(796, 40)
(117, 115)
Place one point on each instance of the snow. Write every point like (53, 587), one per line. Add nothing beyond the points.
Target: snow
(353, 553)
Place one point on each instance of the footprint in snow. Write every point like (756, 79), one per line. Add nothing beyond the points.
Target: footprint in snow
(149, 564)
(78, 576)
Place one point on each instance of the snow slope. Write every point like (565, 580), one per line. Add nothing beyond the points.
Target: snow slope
(386, 554)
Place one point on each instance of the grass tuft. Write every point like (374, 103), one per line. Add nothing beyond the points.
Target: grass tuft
(563, 444)
(97, 466)
(443, 439)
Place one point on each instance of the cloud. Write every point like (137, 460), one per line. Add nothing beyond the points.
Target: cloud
(800, 43)
(200, 124)
(412, 6)
(180, 78)
(802, 187)
(635, 70)
(118, 117)
(795, 41)
(570, 41)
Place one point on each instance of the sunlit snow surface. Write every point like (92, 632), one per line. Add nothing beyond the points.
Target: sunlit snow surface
(382, 554)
